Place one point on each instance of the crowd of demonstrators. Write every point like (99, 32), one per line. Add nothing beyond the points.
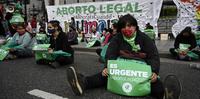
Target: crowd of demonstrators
(184, 44)
(131, 44)
(58, 42)
(127, 39)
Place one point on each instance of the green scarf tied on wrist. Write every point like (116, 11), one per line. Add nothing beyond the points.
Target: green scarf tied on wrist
(131, 41)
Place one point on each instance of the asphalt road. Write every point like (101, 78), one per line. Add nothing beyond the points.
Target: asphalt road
(17, 77)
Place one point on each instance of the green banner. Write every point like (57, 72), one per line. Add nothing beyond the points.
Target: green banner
(129, 78)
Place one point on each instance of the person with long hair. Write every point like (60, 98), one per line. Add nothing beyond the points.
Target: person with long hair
(58, 42)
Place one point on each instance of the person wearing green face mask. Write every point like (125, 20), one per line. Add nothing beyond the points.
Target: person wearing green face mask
(129, 43)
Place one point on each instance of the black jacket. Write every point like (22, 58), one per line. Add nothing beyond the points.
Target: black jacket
(147, 46)
(61, 43)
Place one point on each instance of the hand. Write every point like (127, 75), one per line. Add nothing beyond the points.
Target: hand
(142, 55)
(50, 50)
(125, 53)
(154, 77)
(105, 72)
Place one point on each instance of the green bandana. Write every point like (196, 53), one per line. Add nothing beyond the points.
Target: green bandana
(131, 41)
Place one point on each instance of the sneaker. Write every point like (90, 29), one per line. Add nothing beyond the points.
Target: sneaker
(74, 81)
(173, 87)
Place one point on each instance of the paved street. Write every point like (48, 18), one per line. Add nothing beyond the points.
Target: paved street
(17, 77)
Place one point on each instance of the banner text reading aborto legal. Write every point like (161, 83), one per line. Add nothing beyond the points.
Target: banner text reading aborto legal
(102, 8)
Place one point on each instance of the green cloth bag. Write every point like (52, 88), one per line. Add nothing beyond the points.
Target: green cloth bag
(193, 55)
(184, 46)
(129, 78)
(40, 36)
(41, 47)
(41, 52)
(43, 55)
(150, 33)
(50, 56)
(103, 53)
(3, 54)
(60, 53)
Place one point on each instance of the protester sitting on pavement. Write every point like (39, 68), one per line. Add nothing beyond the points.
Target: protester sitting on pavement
(81, 36)
(185, 37)
(42, 37)
(94, 40)
(58, 42)
(72, 36)
(128, 42)
(150, 32)
(21, 43)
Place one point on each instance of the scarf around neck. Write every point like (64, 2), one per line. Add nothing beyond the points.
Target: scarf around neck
(131, 41)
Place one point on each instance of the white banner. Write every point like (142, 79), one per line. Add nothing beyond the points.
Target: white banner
(102, 14)
(188, 15)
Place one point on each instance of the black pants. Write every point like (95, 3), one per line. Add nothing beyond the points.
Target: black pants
(22, 53)
(62, 60)
(97, 80)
